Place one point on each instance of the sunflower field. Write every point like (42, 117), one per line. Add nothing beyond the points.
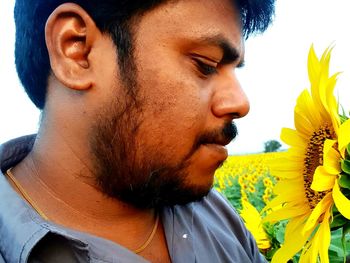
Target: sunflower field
(296, 203)
(247, 182)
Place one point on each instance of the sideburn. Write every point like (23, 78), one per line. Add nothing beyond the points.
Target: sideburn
(112, 143)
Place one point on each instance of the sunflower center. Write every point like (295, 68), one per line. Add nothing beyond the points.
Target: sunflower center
(314, 158)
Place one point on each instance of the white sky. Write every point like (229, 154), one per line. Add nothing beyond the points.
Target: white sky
(274, 75)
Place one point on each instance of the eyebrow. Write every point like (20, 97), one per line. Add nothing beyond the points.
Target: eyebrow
(230, 53)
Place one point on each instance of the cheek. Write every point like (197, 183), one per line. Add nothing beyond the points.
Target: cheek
(174, 112)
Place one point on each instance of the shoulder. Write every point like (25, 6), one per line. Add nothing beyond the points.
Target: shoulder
(214, 198)
(13, 151)
(216, 222)
(217, 213)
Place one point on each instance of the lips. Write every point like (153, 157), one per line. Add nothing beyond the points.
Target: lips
(219, 151)
(218, 141)
(215, 141)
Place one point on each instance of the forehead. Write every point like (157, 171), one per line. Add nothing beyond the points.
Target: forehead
(193, 21)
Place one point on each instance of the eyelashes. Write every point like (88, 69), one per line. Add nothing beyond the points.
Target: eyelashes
(205, 68)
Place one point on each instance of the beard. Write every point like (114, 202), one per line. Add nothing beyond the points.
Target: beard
(142, 177)
(143, 181)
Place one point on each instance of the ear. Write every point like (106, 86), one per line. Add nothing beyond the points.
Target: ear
(70, 34)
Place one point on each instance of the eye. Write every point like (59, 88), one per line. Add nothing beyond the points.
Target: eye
(206, 68)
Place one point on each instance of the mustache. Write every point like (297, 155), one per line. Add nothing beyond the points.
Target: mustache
(220, 136)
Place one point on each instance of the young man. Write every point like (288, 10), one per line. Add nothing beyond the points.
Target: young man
(137, 101)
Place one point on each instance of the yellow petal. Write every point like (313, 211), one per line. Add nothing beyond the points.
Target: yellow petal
(294, 224)
(319, 76)
(333, 106)
(282, 200)
(286, 174)
(322, 180)
(325, 238)
(331, 160)
(313, 64)
(302, 124)
(287, 212)
(296, 153)
(341, 202)
(263, 244)
(252, 220)
(249, 212)
(344, 135)
(285, 165)
(294, 241)
(292, 138)
(319, 244)
(323, 206)
(309, 253)
(306, 107)
(288, 188)
(289, 193)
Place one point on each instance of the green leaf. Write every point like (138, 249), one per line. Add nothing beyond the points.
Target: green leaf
(342, 116)
(334, 257)
(335, 210)
(348, 150)
(336, 247)
(345, 164)
(338, 221)
(344, 181)
(280, 235)
(346, 230)
(335, 251)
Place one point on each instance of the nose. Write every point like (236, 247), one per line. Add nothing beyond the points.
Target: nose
(229, 98)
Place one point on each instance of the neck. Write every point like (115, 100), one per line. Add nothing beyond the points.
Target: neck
(71, 197)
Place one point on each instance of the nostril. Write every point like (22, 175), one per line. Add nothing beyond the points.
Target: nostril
(231, 102)
(244, 108)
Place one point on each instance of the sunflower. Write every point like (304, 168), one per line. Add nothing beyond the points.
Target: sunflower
(311, 170)
(253, 222)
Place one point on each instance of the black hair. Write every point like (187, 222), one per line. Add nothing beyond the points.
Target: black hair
(112, 17)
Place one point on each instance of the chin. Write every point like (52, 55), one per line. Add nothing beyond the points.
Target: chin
(168, 193)
(202, 178)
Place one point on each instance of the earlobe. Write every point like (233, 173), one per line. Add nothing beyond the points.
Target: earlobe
(70, 34)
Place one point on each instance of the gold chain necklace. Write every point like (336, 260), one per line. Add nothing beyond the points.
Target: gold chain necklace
(41, 213)
(24, 194)
(150, 238)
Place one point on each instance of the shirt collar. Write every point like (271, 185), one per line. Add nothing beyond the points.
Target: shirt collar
(21, 228)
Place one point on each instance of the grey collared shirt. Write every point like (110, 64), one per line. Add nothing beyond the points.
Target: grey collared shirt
(206, 231)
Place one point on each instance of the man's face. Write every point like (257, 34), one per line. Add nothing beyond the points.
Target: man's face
(163, 146)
